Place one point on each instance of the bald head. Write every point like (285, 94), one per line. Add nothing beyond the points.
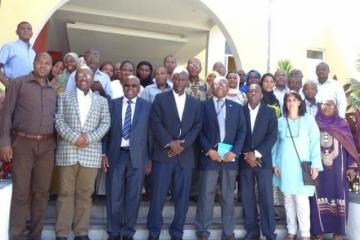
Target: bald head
(220, 68)
(43, 54)
(310, 90)
(131, 87)
(322, 72)
(42, 65)
(280, 79)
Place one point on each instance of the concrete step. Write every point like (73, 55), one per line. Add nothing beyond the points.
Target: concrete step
(98, 232)
(98, 211)
(98, 222)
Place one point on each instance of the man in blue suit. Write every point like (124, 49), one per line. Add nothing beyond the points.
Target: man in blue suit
(256, 163)
(175, 123)
(125, 156)
(223, 123)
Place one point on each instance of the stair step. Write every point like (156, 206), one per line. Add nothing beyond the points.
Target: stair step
(98, 210)
(98, 232)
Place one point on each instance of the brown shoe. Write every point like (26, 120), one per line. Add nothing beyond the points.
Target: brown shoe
(337, 237)
(291, 237)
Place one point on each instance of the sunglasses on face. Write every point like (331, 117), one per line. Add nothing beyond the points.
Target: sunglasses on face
(130, 85)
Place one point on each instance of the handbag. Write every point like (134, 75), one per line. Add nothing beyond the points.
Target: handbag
(305, 165)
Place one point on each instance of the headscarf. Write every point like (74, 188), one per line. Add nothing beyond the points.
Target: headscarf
(149, 80)
(73, 55)
(245, 87)
(339, 129)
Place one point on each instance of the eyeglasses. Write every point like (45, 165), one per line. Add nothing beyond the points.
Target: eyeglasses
(130, 85)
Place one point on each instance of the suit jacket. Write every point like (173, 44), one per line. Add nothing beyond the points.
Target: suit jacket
(139, 133)
(235, 132)
(264, 135)
(166, 126)
(68, 126)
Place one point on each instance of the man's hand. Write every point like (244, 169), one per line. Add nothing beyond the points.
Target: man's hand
(229, 157)
(6, 153)
(276, 171)
(314, 173)
(81, 142)
(105, 163)
(351, 174)
(171, 153)
(97, 87)
(250, 158)
(214, 155)
(175, 146)
(148, 168)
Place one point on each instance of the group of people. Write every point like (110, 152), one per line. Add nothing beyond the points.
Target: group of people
(192, 137)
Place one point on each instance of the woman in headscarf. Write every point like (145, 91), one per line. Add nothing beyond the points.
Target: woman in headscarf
(234, 93)
(70, 63)
(267, 84)
(144, 72)
(329, 206)
(253, 76)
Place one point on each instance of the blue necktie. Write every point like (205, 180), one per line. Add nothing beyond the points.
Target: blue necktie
(127, 123)
(221, 118)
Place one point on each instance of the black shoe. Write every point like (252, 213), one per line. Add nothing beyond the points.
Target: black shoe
(85, 237)
(251, 237)
(153, 238)
(202, 238)
(176, 238)
(61, 238)
(127, 238)
(114, 238)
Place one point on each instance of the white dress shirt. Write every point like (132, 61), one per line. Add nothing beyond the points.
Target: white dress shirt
(311, 108)
(117, 89)
(180, 103)
(280, 94)
(253, 115)
(84, 102)
(124, 142)
(333, 89)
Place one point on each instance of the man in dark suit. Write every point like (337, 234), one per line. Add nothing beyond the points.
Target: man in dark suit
(223, 123)
(176, 123)
(256, 163)
(125, 156)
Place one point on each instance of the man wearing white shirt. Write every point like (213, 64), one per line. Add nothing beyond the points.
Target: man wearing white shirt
(82, 119)
(256, 163)
(330, 87)
(125, 156)
(176, 123)
(101, 83)
(280, 86)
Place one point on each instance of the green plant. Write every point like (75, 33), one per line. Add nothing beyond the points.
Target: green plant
(354, 97)
(285, 65)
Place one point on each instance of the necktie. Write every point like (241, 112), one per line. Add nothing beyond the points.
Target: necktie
(221, 118)
(127, 123)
